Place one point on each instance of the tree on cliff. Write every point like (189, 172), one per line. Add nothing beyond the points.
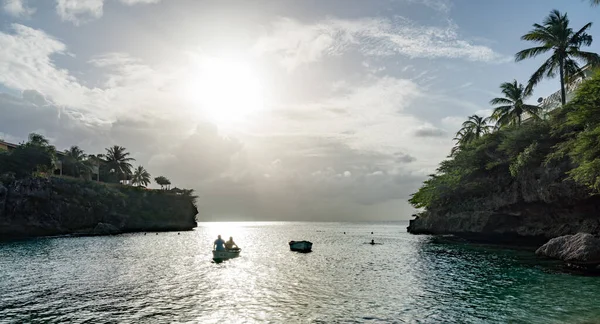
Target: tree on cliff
(513, 105)
(36, 155)
(163, 182)
(473, 128)
(117, 160)
(75, 162)
(583, 134)
(556, 36)
(141, 177)
(553, 161)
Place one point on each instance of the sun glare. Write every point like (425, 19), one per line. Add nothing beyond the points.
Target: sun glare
(226, 91)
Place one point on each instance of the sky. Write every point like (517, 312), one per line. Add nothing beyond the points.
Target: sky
(313, 110)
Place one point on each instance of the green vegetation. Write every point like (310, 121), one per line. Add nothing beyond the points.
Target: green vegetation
(44, 192)
(32, 157)
(141, 177)
(117, 161)
(37, 157)
(552, 161)
(524, 158)
(75, 162)
(39, 206)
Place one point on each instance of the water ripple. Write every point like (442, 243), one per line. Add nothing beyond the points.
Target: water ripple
(171, 278)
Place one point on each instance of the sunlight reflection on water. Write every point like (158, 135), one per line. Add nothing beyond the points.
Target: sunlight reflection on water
(171, 278)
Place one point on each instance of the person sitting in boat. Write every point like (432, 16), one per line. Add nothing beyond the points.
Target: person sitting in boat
(372, 242)
(219, 244)
(229, 244)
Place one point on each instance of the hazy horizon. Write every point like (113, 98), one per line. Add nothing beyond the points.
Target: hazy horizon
(288, 110)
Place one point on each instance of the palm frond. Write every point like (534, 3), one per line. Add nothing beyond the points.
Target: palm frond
(501, 101)
(538, 75)
(581, 37)
(531, 52)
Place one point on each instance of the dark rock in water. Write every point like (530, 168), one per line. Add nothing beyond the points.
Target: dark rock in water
(580, 249)
(58, 206)
(105, 229)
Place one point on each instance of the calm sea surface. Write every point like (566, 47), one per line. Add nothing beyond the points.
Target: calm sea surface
(171, 278)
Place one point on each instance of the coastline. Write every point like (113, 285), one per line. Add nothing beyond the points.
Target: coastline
(533, 223)
(42, 207)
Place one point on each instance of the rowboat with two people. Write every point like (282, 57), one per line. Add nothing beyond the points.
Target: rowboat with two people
(225, 250)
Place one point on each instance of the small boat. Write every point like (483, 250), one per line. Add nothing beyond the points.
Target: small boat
(301, 246)
(226, 254)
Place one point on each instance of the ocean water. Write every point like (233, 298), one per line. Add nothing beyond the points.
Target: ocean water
(165, 278)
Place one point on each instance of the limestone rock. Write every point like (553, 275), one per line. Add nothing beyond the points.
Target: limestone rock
(60, 206)
(579, 249)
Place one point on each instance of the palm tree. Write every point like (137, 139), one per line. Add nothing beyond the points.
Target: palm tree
(77, 161)
(117, 159)
(513, 105)
(556, 36)
(141, 177)
(473, 128)
(595, 2)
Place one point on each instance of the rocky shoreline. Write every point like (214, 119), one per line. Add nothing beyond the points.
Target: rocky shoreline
(565, 232)
(38, 207)
(535, 223)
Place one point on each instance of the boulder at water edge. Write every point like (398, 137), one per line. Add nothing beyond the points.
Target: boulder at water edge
(578, 249)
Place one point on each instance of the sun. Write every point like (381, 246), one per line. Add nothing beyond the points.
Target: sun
(227, 92)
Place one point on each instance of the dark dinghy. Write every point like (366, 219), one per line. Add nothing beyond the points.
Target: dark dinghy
(301, 246)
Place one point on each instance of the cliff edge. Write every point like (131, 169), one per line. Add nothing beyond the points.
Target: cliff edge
(58, 206)
(527, 223)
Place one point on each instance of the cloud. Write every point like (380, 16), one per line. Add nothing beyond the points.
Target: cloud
(400, 157)
(79, 11)
(82, 11)
(30, 112)
(295, 43)
(18, 8)
(439, 5)
(340, 155)
(27, 64)
(429, 131)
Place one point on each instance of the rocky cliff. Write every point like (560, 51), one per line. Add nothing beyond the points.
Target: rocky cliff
(58, 206)
(525, 223)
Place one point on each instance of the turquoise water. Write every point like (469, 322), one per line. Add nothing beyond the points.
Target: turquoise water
(168, 277)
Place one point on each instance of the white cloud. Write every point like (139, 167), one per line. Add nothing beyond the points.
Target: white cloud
(79, 11)
(82, 11)
(18, 8)
(25, 63)
(353, 147)
(296, 43)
